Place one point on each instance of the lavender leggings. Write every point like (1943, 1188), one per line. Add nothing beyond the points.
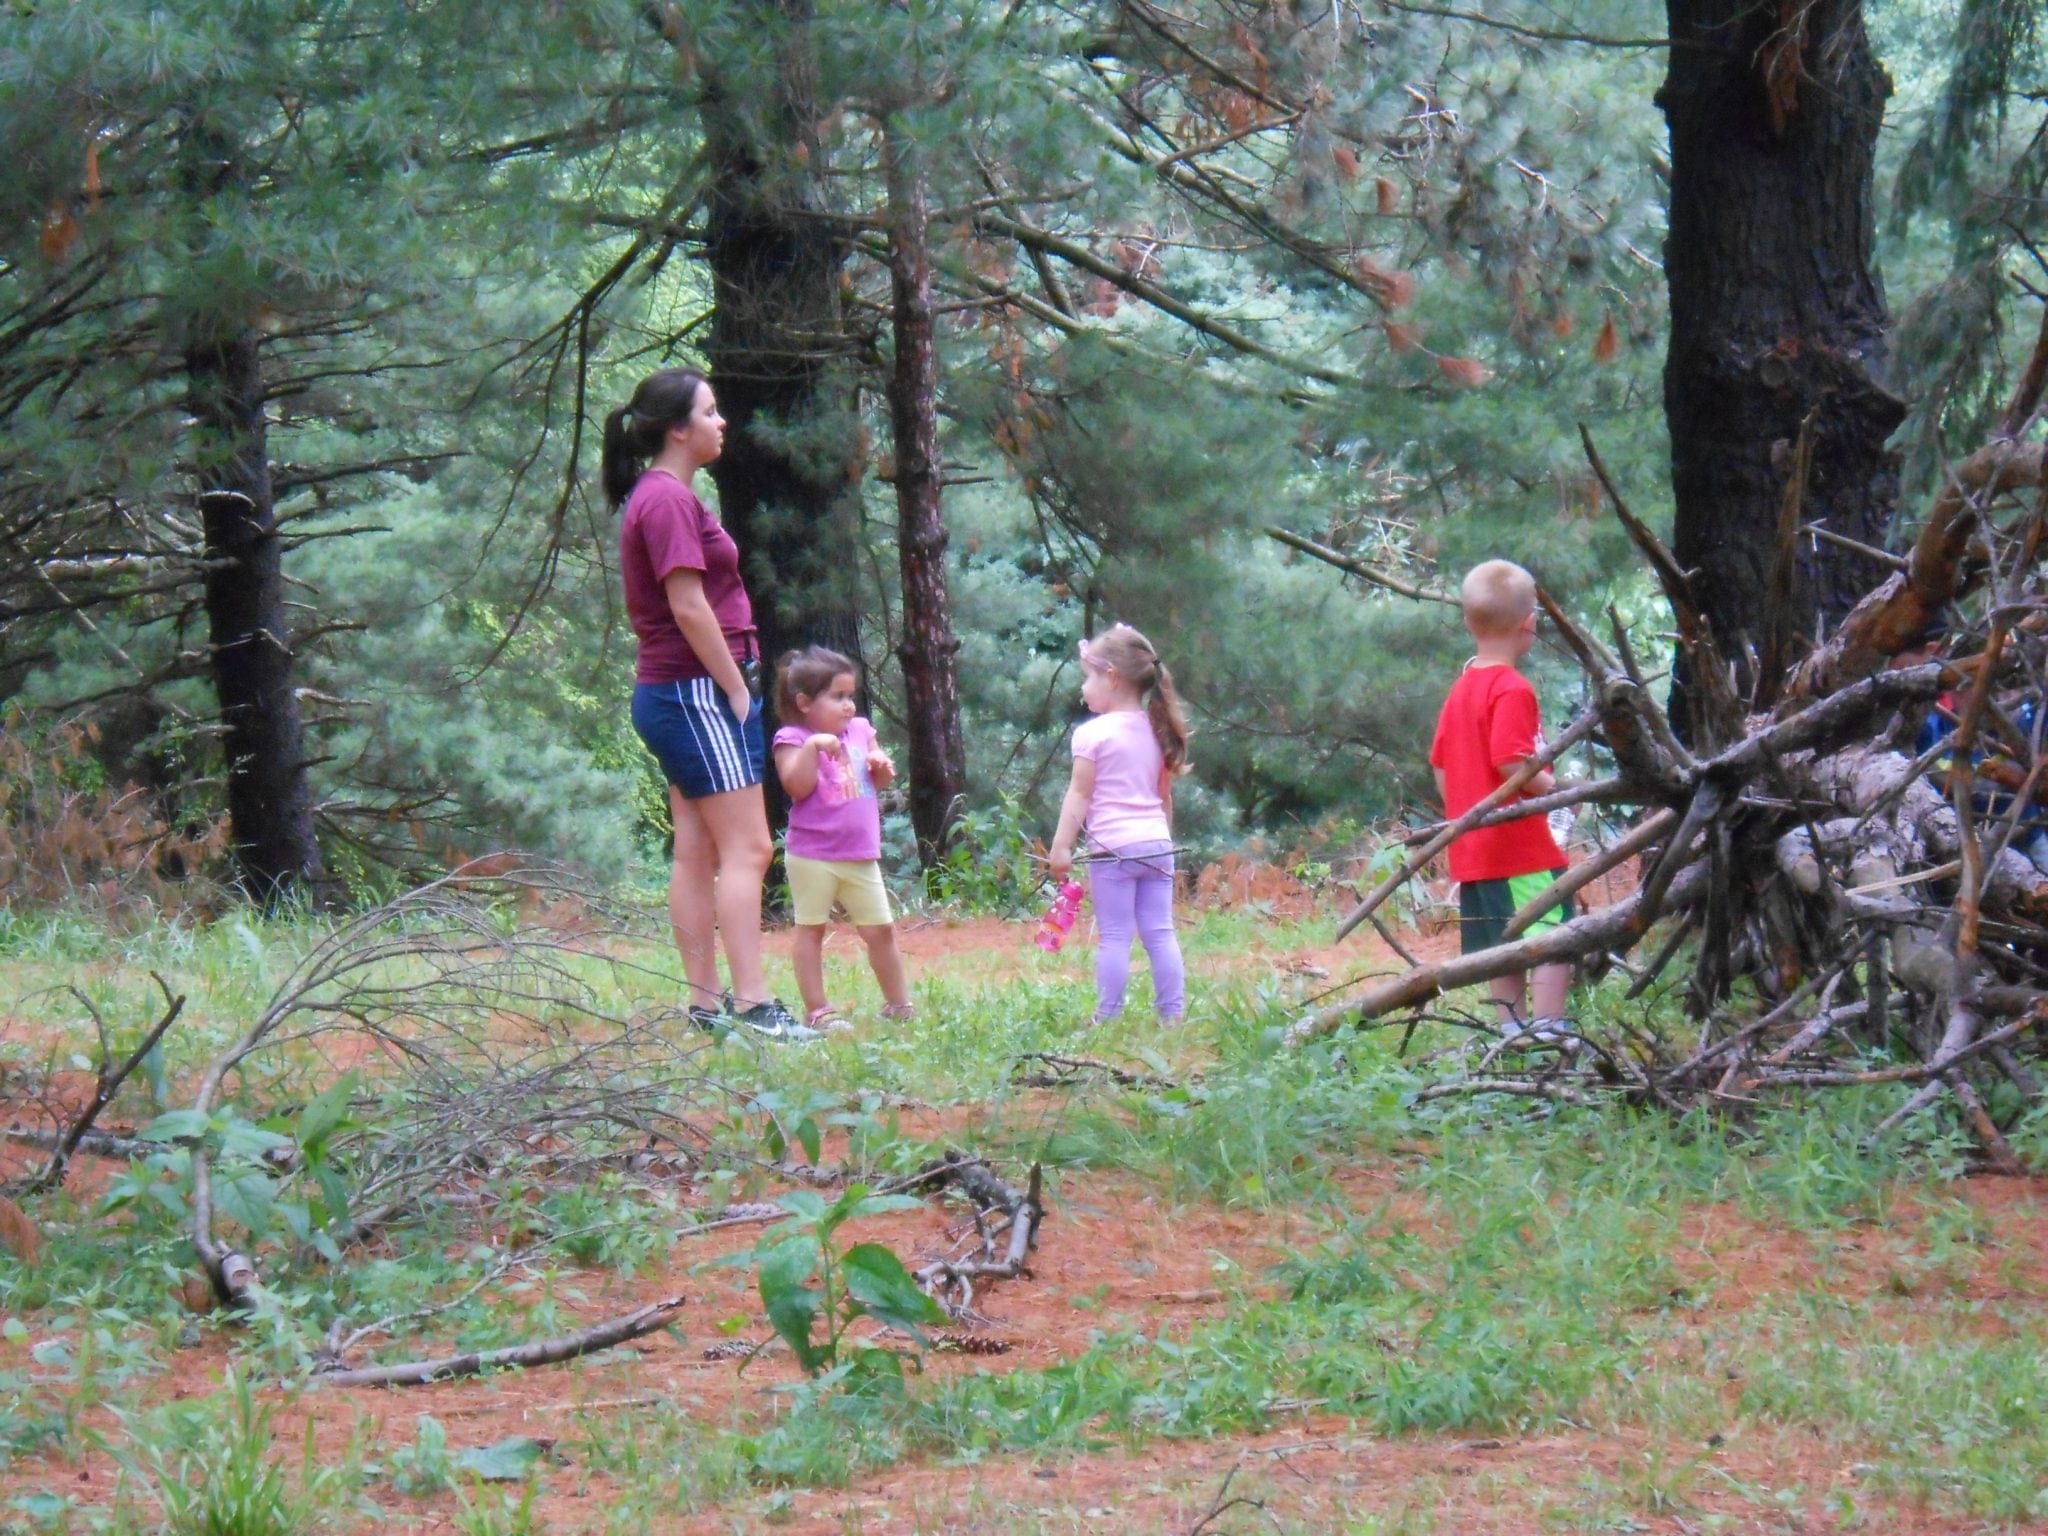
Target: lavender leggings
(1133, 890)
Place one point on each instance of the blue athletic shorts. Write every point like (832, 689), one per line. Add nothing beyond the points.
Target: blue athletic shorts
(691, 731)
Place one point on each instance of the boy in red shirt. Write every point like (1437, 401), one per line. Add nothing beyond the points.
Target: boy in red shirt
(1489, 727)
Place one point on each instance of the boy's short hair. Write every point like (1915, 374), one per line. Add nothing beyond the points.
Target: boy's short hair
(1496, 596)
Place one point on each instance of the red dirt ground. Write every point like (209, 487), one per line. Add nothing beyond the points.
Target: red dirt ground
(1112, 1257)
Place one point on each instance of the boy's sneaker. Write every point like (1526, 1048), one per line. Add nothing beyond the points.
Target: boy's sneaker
(1559, 1033)
(771, 1020)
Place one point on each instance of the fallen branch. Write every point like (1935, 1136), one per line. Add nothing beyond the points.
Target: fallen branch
(1615, 927)
(648, 1319)
(1065, 1071)
(108, 1084)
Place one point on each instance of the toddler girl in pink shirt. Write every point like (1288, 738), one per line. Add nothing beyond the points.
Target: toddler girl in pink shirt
(831, 766)
(1125, 760)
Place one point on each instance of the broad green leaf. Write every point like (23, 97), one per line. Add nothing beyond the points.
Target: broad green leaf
(334, 1192)
(247, 1196)
(807, 1203)
(240, 1138)
(506, 1461)
(807, 1135)
(876, 1279)
(325, 1115)
(848, 1202)
(790, 1304)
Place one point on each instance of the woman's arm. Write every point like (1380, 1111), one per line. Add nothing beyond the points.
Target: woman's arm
(797, 765)
(692, 612)
(1073, 811)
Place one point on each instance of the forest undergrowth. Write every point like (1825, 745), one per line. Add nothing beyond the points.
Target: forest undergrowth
(1271, 1289)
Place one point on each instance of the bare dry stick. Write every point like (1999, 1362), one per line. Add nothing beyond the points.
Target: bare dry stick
(1574, 733)
(1360, 569)
(1609, 790)
(108, 1084)
(648, 1319)
(1619, 925)
(1578, 876)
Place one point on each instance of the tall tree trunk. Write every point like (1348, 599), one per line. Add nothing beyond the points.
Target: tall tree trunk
(931, 684)
(270, 813)
(1776, 313)
(269, 806)
(786, 476)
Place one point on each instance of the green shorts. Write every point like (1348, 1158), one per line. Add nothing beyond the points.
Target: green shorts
(1486, 906)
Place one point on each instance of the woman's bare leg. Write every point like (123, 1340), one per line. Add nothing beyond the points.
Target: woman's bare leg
(691, 878)
(737, 825)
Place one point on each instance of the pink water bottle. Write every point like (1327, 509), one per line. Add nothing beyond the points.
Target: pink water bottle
(1059, 917)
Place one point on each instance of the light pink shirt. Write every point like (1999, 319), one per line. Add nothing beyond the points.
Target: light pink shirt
(1125, 809)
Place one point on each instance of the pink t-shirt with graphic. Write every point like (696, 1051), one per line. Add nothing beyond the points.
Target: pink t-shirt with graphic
(1125, 809)
(842, 817)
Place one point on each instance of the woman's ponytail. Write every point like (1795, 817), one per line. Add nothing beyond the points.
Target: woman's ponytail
(633, 433)
(621, 467)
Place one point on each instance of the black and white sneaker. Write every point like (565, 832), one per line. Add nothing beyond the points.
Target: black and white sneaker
(713, 1021)
(772, 1020)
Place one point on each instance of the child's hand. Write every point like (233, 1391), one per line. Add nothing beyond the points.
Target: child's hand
(828, 745)
(1059, 862)
(881, 767)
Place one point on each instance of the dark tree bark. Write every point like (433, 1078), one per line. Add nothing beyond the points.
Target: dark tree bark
(931, 684)
(1776, 313)
(786, 476)
(270, 810)
(269, 805)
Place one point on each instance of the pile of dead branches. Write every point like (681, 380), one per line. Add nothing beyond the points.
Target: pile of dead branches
(1850, 911)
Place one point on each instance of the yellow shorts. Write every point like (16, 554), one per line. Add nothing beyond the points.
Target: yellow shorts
(815, 884)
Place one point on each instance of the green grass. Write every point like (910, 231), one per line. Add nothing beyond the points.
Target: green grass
(1471, 1267)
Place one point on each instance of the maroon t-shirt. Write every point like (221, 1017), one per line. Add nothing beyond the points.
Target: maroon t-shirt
(665, 528)
(1491, 720)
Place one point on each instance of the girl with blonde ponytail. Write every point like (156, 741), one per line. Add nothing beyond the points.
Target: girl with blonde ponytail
(1125, 762)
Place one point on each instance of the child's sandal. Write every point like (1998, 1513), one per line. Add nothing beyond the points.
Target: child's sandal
(826, 1020)
(899, 1011)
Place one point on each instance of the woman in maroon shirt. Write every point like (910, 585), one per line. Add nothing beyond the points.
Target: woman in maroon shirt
(697, 690)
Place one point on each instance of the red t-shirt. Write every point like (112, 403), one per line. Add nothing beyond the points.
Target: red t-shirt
(1489, 723)
(665, 528)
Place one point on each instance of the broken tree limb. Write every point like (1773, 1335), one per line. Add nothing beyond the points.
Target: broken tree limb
(619, 1330)
(1608, 791)
(1898, 612)
(1413, 864)
(1360, 569)
(1615, 927)
(107, 1084)
(1585, 873)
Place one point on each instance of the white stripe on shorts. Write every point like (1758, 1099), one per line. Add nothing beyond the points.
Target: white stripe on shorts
(713, 735)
